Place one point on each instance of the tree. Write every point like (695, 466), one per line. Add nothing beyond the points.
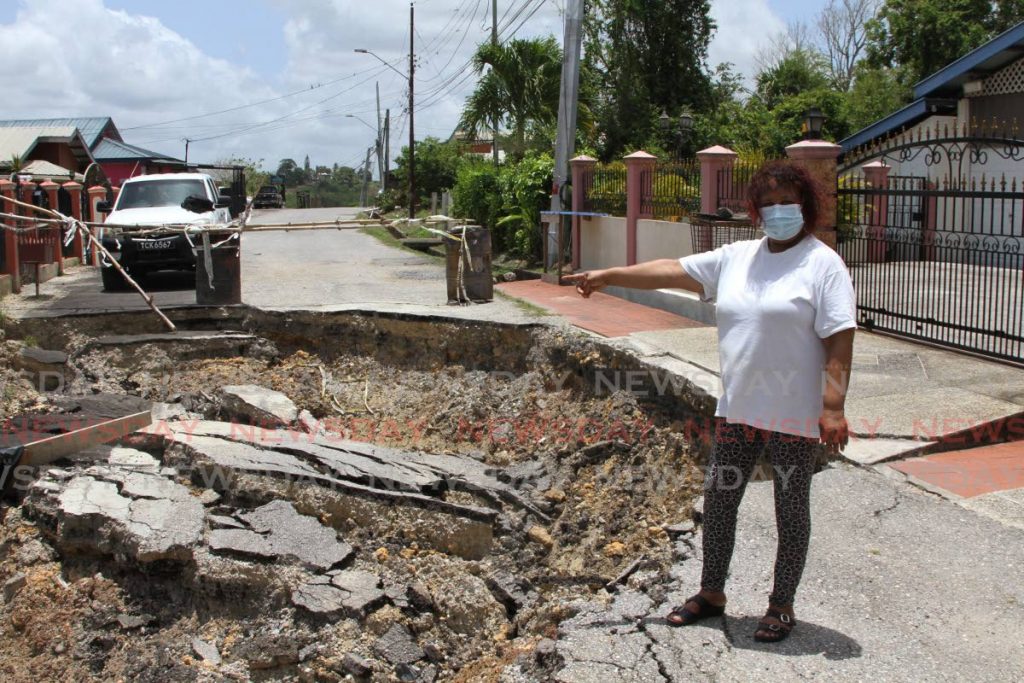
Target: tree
(798, 72)
(648, 57)
(437, 166)
(519, 87)
(919, 37)
(307, 170)
(255, 176)
(876, 92)
(843, 28)
(290, 172)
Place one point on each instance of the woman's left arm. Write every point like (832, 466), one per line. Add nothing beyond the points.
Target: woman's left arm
(835, 432)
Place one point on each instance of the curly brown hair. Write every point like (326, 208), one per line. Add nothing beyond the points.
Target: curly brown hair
(785, 173)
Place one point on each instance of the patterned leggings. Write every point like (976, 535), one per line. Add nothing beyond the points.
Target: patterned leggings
(735, 452)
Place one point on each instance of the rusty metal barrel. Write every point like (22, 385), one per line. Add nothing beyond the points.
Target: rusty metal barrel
(475, 256)
(227, 276)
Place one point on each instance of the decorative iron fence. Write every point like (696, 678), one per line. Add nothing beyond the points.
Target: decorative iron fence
(939, 259)
(732, 186)
(606, 191)
(672, 190)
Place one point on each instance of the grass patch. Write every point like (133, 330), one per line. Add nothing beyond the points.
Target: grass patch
(523, 305)
(382, 234)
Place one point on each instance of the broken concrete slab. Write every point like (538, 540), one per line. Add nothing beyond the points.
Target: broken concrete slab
(279, 532)
(258, 405)
(351, 593)
(389, 472)
(246, 473)
(141, 515)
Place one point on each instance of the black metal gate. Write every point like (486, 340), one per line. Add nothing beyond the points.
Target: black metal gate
(935, 245)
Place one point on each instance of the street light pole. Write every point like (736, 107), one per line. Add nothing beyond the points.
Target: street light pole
(412, 106)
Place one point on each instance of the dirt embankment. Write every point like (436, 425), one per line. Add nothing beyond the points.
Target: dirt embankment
(564, 482)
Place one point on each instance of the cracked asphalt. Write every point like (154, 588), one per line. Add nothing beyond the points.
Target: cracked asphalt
(900, 585)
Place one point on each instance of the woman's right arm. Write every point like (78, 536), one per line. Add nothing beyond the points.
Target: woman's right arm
(659, 274)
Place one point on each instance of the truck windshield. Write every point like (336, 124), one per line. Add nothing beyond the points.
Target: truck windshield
(152, 193)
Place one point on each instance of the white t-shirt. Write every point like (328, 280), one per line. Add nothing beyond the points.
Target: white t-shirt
(773, 310)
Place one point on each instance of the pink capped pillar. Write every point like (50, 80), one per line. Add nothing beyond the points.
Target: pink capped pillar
(819, 158)
(877, 176)
(639, 175)
(11, 258)
(712, 161)
(582, 181)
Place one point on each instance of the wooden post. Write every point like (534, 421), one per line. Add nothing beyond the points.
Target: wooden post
(74, 190)
(54, 233)
(97, 193)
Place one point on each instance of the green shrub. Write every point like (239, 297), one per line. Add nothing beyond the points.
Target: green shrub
(476, 195)
(525, 189)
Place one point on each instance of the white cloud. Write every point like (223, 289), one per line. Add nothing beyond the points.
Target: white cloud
(82, 59)
(744, 26)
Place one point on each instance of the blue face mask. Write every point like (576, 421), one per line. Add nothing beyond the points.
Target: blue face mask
(781, 222)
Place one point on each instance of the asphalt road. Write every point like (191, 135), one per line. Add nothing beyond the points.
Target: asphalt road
(343, 269)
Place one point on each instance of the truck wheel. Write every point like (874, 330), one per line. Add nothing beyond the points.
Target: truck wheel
(113, 281)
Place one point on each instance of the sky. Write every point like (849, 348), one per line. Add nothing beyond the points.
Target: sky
(270, 79)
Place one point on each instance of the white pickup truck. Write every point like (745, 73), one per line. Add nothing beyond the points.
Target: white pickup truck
(153, 201)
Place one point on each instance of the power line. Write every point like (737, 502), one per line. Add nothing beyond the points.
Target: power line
(251, 104)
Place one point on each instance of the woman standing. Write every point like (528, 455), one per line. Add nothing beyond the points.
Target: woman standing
(785, 310)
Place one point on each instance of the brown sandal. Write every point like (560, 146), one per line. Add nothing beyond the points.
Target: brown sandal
(681, 616)
(773, 633)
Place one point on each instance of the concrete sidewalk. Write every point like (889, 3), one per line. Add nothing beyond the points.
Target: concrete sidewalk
(899, 586)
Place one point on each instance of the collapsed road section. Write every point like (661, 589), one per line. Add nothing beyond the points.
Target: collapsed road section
(332, 497)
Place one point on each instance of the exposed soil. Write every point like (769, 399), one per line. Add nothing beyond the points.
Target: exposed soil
(608, 469)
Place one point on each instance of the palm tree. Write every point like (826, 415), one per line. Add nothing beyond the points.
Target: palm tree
(519, 89)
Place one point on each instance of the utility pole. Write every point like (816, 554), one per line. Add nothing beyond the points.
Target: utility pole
(494, 41)
(186, 149)
(412, 111)
(387, 149)
(379, 143)
(565, 138)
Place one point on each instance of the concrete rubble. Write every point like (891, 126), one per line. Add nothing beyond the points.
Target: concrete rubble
(512, 533)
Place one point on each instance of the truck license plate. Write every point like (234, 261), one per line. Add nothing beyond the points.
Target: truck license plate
(156, 244)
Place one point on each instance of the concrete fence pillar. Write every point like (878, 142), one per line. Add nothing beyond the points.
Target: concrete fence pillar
(712, 161)
(11, 259)
(877, 176)
(27, 190)
(97, 194)
(54, 233)
(74, 191)
(582, 180)
(819, 158)
(639, 177)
